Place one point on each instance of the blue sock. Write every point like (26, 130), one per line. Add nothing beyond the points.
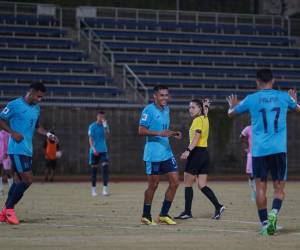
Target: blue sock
(10, 192)
(165, 208)
(17, 194)
(147, 210)
(105, 174)
(276, 205)
(263, 215)
(94, 176)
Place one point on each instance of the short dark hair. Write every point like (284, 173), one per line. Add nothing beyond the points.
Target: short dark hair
(38, 86)
(264, 75)
(159, 87)
(101, 112)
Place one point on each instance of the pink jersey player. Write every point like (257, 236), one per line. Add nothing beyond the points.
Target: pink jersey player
(247, 132)
(4, 158)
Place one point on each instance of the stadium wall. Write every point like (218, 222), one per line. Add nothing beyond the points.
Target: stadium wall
(126, 147)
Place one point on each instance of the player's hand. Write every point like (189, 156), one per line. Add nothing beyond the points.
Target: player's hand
(178, 135)
(16, 136)
(167, 133)
(246, 150)
(184, 155)
(293, 94)
(232, 100)
(52, 137)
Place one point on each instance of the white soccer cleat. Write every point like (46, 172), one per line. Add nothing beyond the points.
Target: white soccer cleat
(105, 191)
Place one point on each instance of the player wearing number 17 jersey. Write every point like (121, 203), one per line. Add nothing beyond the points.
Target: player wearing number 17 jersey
(268, 110)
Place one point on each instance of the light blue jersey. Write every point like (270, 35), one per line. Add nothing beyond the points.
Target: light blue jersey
(268, 109)
(22, 118)
(97, 133)
(157, 148)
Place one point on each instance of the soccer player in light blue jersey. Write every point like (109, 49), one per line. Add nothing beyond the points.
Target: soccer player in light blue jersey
(155, 125)
(268, 110)
(98, 131)
(20, 118)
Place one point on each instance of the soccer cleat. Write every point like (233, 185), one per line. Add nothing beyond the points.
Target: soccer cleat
(218, 213)
(148, 221)
(11, 217)
(184, 216)
(93, 191)
(105, 191)
(264, 231)
(166, 220)
(3, 215)
(272, 221)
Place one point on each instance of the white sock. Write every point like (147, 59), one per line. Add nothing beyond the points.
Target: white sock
(1, 184)
(252, 184)
(94, 189)
(105, 188)
(10, 181)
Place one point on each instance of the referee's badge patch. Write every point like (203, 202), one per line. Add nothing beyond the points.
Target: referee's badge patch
(144, 117)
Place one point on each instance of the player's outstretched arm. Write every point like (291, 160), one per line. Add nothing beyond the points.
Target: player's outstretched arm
(49, 135)
(164, 133)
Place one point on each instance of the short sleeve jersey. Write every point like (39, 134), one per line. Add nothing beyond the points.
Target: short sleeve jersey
(157, 148)
(268, 109)
(97, 133)
(22, 118)
(200, 124)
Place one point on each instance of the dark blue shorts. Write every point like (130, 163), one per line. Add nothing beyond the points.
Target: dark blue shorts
(161, 167)
(276, 164)
(95, 159)
(21, 163)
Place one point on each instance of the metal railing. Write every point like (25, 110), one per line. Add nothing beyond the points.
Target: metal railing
(193, 17)
(131, 80)
(97, 50)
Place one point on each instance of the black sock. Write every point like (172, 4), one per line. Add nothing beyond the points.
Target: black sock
(188, 195)
(105, 174)
(211, 196)
(94, 176)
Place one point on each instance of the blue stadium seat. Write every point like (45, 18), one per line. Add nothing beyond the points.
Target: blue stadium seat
(31, 30)
(47, 66)
(195, 37)
(184, 26)
(28, 19)
(62, 78)
(9, 41)
(203, 48)
(43, 54)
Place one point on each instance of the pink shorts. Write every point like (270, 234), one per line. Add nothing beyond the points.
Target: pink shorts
(249, 164)
(6, 163)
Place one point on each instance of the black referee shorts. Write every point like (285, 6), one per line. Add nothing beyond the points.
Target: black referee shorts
(198, 161)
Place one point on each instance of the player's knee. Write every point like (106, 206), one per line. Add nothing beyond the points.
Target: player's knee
(153, 186)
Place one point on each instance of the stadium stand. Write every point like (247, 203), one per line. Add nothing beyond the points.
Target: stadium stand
(35, 48)
(197, 57)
